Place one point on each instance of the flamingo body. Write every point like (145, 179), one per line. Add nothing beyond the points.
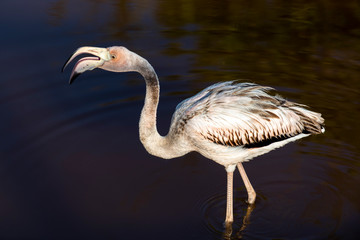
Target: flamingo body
(228, 122)
(233, 122)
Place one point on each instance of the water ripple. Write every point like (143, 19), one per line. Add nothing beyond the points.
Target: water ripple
(212, 210)
(283, 209)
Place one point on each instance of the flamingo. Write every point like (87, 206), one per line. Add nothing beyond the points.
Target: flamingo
(228, 122)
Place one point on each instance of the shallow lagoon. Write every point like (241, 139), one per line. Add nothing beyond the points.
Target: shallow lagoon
(71, 161)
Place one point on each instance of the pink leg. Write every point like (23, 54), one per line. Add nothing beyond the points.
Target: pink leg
(249, 188)
(229, 199)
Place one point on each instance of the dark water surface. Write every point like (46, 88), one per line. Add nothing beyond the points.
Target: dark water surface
(72, 165)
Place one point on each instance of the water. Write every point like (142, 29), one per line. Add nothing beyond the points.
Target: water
(72, 165)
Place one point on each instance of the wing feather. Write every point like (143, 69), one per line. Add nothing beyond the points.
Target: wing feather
(243, 114)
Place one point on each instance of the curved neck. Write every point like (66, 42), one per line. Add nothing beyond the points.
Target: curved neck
(147, 125)
(149, 136)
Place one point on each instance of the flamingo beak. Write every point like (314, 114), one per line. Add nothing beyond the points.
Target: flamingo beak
(100, 56)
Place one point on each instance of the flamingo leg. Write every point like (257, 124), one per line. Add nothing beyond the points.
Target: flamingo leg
(250, 190)
(229, 199)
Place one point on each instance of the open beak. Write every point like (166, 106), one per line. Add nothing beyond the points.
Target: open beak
(100, 56)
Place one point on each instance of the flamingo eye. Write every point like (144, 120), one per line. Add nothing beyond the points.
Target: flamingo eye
(112, 56)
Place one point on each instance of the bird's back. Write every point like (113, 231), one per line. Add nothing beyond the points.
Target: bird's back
(243, 115)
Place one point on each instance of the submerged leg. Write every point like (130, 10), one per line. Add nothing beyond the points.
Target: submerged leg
(249, 188)
(229, 196)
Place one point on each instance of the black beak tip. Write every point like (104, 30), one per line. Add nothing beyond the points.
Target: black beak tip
(73, 77)
(65, 64)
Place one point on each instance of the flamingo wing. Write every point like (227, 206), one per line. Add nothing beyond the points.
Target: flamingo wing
(243, 114)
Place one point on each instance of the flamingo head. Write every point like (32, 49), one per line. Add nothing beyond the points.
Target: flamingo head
(114, 59)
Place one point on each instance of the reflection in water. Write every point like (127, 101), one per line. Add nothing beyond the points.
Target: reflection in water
(245, 222)
(281, 216)
(212, 211)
